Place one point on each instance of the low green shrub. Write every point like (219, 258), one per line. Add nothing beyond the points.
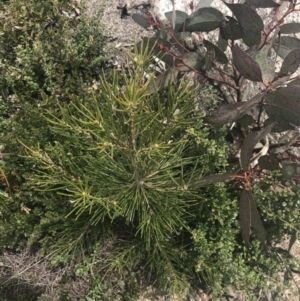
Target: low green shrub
(46, 57)
(123, 163)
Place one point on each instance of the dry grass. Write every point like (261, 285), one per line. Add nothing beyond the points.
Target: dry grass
(24, 276)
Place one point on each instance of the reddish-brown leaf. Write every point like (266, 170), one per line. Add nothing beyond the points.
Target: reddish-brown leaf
(246, 65)
(256, 223)
(249, 143)
(245, 215)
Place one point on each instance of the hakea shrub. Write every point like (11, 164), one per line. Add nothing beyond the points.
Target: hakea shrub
(123, 163)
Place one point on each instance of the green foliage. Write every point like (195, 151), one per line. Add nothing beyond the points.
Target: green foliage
(46, 58)
(45, 53)
(279, 206)
(44, 298)
(223, 261)
(123, 163)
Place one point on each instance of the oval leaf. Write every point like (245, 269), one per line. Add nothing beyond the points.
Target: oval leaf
(262, 3)
(232, 112)
(219, 54)
(247, 150)
(283, 107)
(245, 64)
(284, 45)
(251, 37)
(256, 223)
(192, 60)
(211, 179)
(141, 20)
(265, 63)
(290, 28)
(224, 114)
(245, 215)
(249, 143)
(246, 120)
(247, 17)
(231, 29)
(263, 133)
(281, 81)
(291, 62)
(222, 43)
(295, 84)
(251, 22)
(204, 3)
(180, 18)
(204, 19)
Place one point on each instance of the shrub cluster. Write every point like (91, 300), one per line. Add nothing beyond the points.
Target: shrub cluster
(122, 179)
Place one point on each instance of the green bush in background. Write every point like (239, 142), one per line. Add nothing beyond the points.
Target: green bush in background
(46, 53)
(47, 58)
